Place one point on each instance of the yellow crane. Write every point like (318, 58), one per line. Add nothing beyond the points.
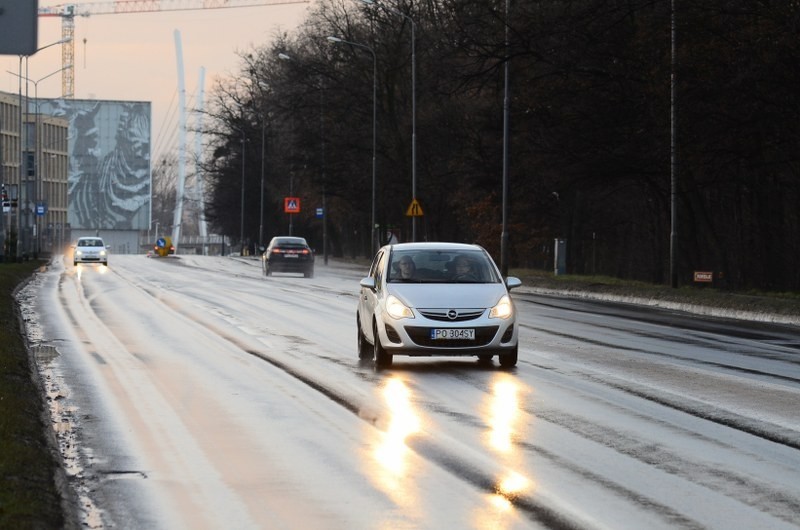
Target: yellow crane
(68, 12)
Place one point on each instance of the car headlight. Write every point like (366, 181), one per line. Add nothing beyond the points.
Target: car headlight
(397, 309)
(102, 252)
(78, 252)
(504, 309)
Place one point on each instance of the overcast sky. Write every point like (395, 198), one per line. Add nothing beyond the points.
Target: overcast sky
(132, 56)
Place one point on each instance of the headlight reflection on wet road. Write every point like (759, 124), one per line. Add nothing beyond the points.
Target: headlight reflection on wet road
(403, 422)
(512, 484)
(80, 268)
(503, 412)
(390, 453)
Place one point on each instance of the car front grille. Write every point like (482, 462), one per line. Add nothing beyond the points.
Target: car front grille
(422, 336)
(451, 315)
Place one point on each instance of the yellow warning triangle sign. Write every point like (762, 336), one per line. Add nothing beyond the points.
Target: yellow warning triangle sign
(414, 209)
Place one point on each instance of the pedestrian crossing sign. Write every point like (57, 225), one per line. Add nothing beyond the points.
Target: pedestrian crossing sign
(291, 205)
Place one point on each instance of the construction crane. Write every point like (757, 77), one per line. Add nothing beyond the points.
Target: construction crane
(68, 12)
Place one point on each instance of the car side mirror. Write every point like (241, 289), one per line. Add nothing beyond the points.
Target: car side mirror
(513, 282)
(368, 282)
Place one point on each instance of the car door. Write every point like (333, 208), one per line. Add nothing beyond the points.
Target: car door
(368, 297)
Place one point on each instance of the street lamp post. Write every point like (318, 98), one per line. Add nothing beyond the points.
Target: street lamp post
(262, 87)
(322, 163)
(673, 194)
(291, 170)
(506, 103)
(374, 126)
(241, 227)
(261, 192)
(284, 57)
(23, 166)
(413, 106)
(23, 140)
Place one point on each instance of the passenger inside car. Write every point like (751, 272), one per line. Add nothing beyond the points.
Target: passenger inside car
(463, 270)
(406, 268)
(438, 267)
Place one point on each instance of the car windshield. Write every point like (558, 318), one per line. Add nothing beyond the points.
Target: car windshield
(441, 266)
(291, 242)
(90, 243)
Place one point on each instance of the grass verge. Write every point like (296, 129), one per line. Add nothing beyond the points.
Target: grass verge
(29, 497)
(769, 303)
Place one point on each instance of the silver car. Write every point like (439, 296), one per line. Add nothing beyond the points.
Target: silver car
(90, 250)
(423, 299)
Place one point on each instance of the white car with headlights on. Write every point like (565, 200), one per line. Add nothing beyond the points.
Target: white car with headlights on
(90, 250)
(443, 299)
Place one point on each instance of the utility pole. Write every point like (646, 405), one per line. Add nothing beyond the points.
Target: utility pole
(2, 200)
(673, 237)
(504, 230)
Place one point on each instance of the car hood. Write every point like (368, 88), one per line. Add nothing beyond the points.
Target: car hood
(427, 295)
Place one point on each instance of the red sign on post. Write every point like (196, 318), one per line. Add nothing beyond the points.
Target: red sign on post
(703, 276)
(291, 205)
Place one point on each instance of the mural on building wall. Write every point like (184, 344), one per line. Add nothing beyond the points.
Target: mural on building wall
(109, 173)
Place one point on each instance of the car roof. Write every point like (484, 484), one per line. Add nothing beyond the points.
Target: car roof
(83, 238)
(430, 245)
(289, 239)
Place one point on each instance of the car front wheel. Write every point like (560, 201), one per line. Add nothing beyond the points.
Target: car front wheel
(383, 359)
(508, 360)
(364, 350)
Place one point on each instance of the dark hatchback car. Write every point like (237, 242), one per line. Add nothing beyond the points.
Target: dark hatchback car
(288, 254)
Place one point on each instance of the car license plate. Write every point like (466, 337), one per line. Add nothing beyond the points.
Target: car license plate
(453, 334)
(291, 256)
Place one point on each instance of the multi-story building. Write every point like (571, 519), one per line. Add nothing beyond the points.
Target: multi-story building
(82, 167)
(52, 160)
(34, 174)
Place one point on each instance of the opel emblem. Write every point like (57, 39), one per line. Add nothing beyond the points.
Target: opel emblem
(452, 314)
